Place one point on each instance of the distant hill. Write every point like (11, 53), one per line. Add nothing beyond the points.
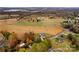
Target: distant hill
(37, 9)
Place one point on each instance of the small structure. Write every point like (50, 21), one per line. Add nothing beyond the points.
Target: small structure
(22, 45)
(42, 36)
(77, 18)
(61, 40)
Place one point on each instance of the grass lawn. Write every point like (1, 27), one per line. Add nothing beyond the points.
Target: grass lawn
(29, 23)
(42, 23)
(2, 17)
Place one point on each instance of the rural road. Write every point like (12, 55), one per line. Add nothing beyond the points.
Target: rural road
(65, 30)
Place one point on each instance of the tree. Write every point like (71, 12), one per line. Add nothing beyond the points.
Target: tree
(12, 41)
(5, 34)
(70, 37)
(39, 47)
(65, 24)
(28, 37)
(75, 28)
(37, 39)
(71, 24)
(47, 43)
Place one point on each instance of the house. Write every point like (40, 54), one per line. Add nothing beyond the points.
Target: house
(42, 36)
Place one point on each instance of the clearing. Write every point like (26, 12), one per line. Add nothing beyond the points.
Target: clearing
(50, 26)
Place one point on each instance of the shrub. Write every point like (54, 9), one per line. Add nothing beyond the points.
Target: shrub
(22, 50)
(5, 34)
(70, 37)
(39, 47)
(37, 39)
(47, 43)
(65, 24)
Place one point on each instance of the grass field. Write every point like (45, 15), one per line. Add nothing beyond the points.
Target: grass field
(52, 26)
(29, 23)
(46, 22)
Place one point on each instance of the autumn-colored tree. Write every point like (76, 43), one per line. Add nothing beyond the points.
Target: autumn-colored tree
(12, 41)
(28, 37)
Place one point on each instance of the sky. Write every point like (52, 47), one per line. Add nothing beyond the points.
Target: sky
(39, 3)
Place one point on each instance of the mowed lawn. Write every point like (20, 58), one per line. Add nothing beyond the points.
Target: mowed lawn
(47, 22)
(29, 23)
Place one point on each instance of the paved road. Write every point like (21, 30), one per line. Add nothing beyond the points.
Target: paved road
(66, 30)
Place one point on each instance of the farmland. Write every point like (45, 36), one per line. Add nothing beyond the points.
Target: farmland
(44, 30)
(48, 26)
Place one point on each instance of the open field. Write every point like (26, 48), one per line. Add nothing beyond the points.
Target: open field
(48, 26)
